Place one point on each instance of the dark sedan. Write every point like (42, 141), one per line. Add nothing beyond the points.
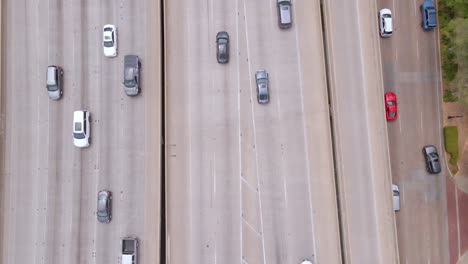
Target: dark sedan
(222, 47)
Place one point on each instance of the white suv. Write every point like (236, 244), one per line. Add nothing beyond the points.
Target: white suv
(385, 22)
(81, 129)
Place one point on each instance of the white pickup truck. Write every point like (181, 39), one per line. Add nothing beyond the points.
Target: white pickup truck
(129, 250)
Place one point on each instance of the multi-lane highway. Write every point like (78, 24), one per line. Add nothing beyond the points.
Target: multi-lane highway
(306, 176)
(411, 69)
(50, 186)
(363, 171)
(248, 183)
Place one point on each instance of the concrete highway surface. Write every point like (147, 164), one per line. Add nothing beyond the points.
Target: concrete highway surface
(50, 185)
(362, 158)
(248, 183)
(412, 71)
(306, 176)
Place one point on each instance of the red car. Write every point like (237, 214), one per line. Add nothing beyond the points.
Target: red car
(391, 110)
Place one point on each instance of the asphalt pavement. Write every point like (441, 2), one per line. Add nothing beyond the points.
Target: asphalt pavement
(410, 64)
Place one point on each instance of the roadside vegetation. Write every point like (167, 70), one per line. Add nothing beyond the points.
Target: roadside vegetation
(453, 22)
(451, 146)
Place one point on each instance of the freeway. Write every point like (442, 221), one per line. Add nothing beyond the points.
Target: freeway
(50, 185)
(412, 71)
(246, 182)
(359, 129)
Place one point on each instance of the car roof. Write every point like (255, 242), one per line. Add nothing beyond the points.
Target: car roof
(78, 116)
(51, 72)
(260, 74)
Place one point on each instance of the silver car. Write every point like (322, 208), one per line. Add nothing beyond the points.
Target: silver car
(54, 81)
(396, 197)
(263, 94)
(104, 214)
(432, 159)
(131, 75)
(284, 14)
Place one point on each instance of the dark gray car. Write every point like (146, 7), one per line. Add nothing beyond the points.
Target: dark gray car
(222, 47)
(132, 75)
(263, 94)
(432, 159)
(104, 214)
(54, 81)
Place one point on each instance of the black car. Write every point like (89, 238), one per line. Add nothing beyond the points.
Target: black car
(103, 213)
(222, 47)
(432, 159)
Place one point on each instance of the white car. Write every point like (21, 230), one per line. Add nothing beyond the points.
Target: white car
(396, 197)
(109, 40)
(81, 129)
(385, 22)
(306, 262)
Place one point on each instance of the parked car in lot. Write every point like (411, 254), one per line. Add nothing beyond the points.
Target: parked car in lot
(396, 197)
(284, 14)
(54, 81)
(263, 94)
(222, 47)
(429, 15)
(391, 110)
(109, 40)
(385, 22)
(81, 129)
(131, 75)
(104, 214)
(432, 159)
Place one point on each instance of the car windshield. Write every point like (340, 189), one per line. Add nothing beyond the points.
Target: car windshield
(79, 135)
(386, 15)
(434, 156)
(392, 114)
(78, 126)
(130, 79)
(102, 206)
(130, 83)
(391, 103)
(52, 87)
(108, 44)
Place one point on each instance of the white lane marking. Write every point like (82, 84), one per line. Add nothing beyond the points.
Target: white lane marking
(254, 133)
(168, 247)
(417, 49)
(189, 121)
(458, 221)
(239, 131)
(214, 177)
(243, 180)
(253, 228)
(415, 8)
(304, 133)
(421, 116)
(399, 123)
